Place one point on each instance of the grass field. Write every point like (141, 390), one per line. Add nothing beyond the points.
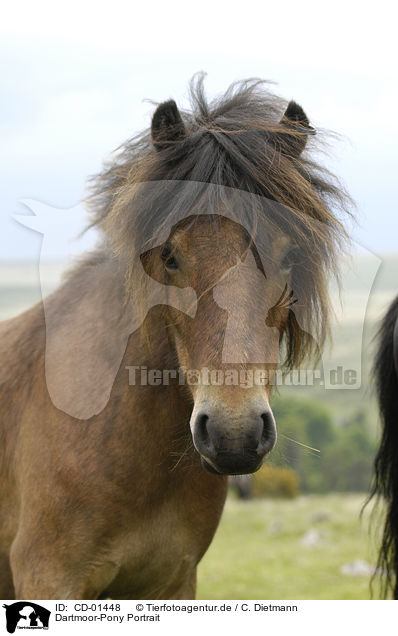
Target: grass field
(258, 551)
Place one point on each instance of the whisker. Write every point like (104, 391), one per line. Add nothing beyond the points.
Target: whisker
(300, 443)
(182, 455)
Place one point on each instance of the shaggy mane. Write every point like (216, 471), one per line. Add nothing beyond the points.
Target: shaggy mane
(240, 141)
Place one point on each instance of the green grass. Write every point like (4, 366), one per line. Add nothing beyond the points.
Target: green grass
(257, 552)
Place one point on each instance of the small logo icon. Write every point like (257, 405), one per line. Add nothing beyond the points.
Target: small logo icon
(26, 615)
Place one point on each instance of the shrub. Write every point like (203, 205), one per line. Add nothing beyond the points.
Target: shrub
(275, 481)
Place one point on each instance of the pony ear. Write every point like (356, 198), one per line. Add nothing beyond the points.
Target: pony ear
(297, 121)
(167, 125)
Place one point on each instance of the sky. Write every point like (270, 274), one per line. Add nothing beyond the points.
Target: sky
(76, 79)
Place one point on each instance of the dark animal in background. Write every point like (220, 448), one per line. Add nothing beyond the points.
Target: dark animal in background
(385, 483)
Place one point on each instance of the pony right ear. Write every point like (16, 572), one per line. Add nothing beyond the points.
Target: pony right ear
(293, 142)
(167, 125)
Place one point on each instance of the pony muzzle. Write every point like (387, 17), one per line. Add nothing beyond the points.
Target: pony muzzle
(233, 445)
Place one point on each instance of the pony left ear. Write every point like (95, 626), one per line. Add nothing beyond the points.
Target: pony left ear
(167, 125)
(297, 121)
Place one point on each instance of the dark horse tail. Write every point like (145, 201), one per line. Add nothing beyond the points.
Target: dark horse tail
(385, 483)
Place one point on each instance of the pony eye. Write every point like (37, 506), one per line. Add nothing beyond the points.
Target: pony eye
(169, 260)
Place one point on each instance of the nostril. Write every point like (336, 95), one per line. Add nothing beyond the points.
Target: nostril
(201, 430)
(268, 437)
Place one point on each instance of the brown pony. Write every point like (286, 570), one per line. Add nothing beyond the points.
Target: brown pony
(122, 410)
